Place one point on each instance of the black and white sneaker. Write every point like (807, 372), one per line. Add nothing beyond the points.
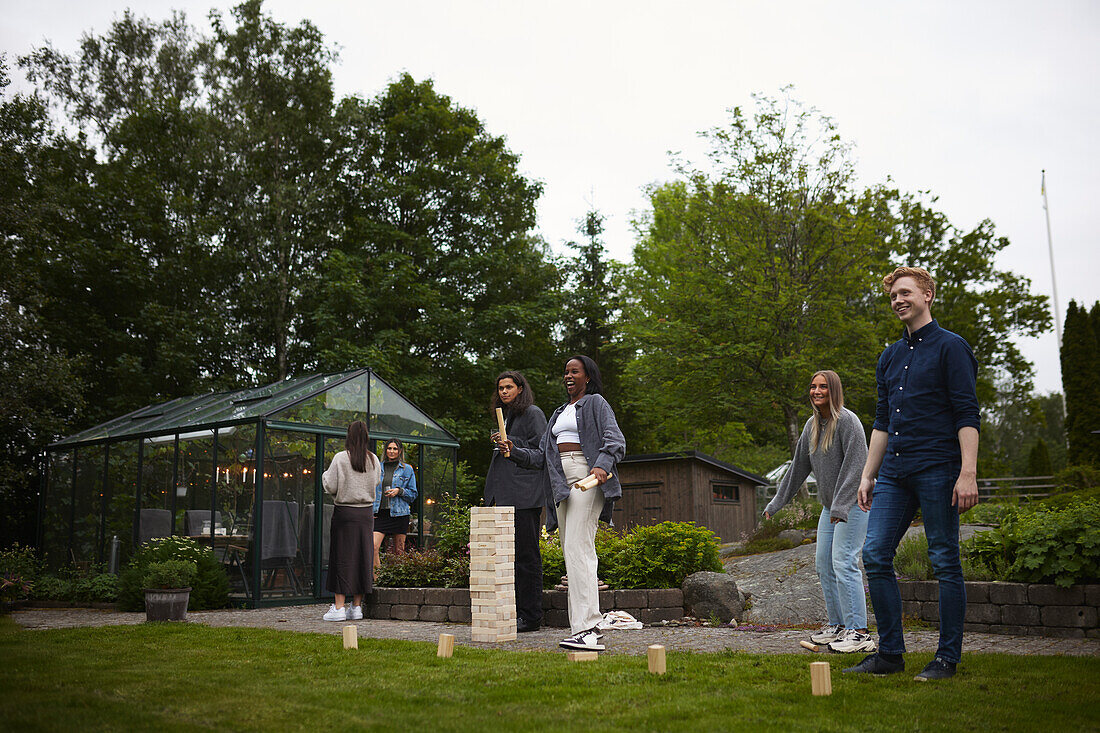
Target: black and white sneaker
(584, 641)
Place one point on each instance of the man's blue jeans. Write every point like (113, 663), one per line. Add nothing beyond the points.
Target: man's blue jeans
(893, 504)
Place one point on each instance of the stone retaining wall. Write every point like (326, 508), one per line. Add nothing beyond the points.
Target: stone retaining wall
(453, 604)
(1031, 609)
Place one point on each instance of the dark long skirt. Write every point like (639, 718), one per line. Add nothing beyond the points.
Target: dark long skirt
(351, 551)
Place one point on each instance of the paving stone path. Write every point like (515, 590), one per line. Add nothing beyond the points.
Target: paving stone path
(696, 639)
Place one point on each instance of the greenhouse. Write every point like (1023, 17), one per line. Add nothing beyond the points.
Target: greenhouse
(240, 471)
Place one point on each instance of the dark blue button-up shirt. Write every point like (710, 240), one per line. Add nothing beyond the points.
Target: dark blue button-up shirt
(926, 393)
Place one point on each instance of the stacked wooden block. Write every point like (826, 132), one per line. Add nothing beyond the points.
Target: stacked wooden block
(492, 573)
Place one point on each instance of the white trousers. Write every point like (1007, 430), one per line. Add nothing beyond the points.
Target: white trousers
(577, 519)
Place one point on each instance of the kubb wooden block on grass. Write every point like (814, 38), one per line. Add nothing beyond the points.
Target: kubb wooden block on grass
(446, 646)
(492, 573)
(582, 656)
(656, 655)
(821, 680)
(351, 637)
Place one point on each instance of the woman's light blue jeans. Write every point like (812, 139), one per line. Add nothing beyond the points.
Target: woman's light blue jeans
(838, 549)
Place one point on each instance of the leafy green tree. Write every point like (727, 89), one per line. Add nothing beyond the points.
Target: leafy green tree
(1038, 460)
(433, 280)
(42, 389)
(1080, 354)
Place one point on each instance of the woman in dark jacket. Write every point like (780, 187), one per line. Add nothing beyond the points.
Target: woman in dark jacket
(582, 439)
(508, 484)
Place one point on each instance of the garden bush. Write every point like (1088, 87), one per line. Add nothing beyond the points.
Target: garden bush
(662, 556)
(53, 588)
(1043, 544)
(911, 560)
(210, 589)
(170, 574)
(452, 528)
(1073, 478)
(423, 569)
(18, 570)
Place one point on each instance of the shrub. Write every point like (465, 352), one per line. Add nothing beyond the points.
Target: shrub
(13, 588)
(990, 512)
(423, 569)
(662, 555)
(209, 590)
(53, 588)
(1043, 544)
(452, 528)
(98, 588)
(19, 561)
(170, 574)
(1073, 478)
(553, 559)
(911, 560)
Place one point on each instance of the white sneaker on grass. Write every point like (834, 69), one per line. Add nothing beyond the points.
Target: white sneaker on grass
(828, 633)
(336, 614)
(356, 613)
(584, 641)
(854, 640)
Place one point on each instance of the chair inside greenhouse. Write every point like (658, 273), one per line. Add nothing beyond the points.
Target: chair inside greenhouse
(202, 466)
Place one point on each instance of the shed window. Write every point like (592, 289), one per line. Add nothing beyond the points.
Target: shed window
(725, 492)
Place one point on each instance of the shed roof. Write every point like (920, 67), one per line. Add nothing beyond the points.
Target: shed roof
(331, 401)
(696, 455)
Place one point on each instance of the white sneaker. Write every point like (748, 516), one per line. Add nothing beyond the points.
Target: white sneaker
(585, 641)
(854, 641)
(828, 633)
(336, 614)
(356, 613)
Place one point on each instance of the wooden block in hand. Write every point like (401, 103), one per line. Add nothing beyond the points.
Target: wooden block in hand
(351, 637)
(821, 681)
(656, 654)
(446, 645)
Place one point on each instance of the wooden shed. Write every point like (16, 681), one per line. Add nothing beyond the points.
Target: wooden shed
(687, 486)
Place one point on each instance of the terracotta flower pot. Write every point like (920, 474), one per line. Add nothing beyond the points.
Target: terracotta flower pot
(166, 604)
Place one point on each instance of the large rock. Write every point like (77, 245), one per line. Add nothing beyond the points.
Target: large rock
(783, 586)
(709, 594)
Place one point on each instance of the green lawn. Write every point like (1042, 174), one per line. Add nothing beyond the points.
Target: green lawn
(182, 676)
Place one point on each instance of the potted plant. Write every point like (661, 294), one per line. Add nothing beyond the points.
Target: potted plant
(168, 589)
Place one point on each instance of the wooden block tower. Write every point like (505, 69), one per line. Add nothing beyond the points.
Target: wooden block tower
(492, 573)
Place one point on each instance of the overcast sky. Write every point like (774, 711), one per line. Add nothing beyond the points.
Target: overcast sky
(968, 100)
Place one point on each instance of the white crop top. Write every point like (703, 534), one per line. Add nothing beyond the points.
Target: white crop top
(565, 428)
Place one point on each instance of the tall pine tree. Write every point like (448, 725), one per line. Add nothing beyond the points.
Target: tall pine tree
(1080, 356)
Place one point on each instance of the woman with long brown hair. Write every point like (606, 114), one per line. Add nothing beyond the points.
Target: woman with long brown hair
(834, 446)
(351, 478)
(393, 500)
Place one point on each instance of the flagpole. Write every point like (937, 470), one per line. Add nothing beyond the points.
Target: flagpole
(1053, 279)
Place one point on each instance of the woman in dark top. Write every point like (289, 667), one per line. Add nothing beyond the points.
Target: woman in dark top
(507, 484)
(396, 492)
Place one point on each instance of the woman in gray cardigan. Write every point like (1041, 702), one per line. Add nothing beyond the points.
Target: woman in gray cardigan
(509, 484)
(582, 439)
(834, 446)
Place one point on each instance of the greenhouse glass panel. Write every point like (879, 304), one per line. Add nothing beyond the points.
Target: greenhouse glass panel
(233, 499)
(88, 506)
(392, 414)
(58, 503)
(121, 490)
(331, 446)
(438, 478)
(157, 488)
(290, 485)
(338, 405)
(196, 467)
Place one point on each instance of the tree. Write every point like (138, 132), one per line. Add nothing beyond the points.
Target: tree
(748, 279)
(434, 280)
(1080, 354)
(1038, 460)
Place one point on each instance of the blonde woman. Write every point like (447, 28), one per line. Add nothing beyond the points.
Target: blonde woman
(834, 446)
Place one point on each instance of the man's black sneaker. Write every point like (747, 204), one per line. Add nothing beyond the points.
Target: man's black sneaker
(522, 626)
(876, 665)
(937, 669)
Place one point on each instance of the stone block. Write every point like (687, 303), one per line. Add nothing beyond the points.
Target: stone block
(930, 611)
(607, 600)
(910, 608)
(1052, 595)
(977, 591)
(1008, 593)
(908, 590)
(561, 599)
(460, 596)
(380, 610)
(385, 595)
(405, 612)
(983, 613)
(974, 627)
(628, 599)
(458, 614)
(438, 596)
(666, 597)
(1061, 633)
(409, 596)
(1009, 630)
(1078, 617)
(1092, 633)
(653, 615)
(1092, 595)
(556, 617)
(927, 590)
(1020, 615)
(433, 613)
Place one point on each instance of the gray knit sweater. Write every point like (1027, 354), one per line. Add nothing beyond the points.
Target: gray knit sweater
(837, 470)
(350, 487)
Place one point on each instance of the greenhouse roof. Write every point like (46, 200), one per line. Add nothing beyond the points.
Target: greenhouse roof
(319, 401)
